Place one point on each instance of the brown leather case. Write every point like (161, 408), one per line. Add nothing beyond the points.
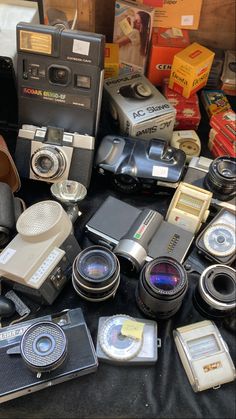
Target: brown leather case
(8, 170)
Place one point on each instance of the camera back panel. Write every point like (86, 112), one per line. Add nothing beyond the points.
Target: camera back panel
(60, 75)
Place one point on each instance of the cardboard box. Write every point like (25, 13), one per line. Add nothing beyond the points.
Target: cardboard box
(132, 32)
(219, 145)
(190, 69)
(225, 122)
(111, 65)
(214, 101)
(165, 43)
(138, 108)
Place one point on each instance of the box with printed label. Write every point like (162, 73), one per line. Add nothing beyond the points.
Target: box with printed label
(132, 32)
(165, 43)
(111, 65)
(214, 101)
(225, 122)
(138, 108)
(190, 69)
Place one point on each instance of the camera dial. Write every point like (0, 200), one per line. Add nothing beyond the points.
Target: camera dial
(48, 163)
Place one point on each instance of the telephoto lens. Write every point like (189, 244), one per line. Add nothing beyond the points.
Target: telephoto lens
(161, 288)
(215, 294)
(96, 274)
(221, 178)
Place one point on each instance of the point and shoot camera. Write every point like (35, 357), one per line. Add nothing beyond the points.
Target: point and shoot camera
(135, 164)
(45, 352)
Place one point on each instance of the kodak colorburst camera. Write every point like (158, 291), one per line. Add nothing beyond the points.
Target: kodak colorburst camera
(38, 261)
(52, 155)
(60, 77)
(44, 352)
(136, 164)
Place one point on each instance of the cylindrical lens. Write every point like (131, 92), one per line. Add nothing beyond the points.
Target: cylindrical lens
(161, 288)
(215, 294)
(96, 274)
(221, 177)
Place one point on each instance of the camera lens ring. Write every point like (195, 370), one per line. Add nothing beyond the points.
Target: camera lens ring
(220, 179)
(126, 183)
(54, 75)
(55, 156)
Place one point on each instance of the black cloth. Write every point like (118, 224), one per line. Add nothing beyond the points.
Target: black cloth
(158, 391)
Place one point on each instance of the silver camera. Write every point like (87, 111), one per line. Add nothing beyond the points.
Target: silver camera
(52, 155)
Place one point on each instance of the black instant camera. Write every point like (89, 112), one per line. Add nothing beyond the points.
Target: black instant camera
(136, 164)
(44, 351)
(60, 77)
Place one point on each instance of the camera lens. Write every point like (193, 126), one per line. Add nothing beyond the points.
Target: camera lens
(215, 294)
(126, 183)
(96, 274)
(48, 163)
(44, 346)
(221, 178)
(59, 75)
(161, 288)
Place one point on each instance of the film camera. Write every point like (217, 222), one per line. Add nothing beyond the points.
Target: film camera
(44, 352)
(38, 260)
(60, 76)
(136, 164)
(52, 155)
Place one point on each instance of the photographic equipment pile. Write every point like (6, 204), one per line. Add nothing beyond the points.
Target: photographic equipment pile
(63, 244)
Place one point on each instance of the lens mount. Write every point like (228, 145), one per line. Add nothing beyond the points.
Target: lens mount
(221, 178)
(96, 273)
(48, 163)
(126, 183)
(44, 346)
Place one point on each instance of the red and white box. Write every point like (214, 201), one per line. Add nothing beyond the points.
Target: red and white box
(225, 122)
(219, 145)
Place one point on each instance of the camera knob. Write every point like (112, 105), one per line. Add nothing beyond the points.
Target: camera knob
(116, 141)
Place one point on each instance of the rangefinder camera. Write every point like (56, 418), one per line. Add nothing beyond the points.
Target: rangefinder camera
(44, 352)
(218, 176)
(60, 77)
(38, 261)
(52, 155)
(134, 163)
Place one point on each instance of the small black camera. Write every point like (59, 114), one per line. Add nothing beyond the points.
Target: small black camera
(136, 164)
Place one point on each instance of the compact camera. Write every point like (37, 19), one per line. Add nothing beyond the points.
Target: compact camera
(52, 155)
(60, 77)
(44, 352)
(136, 235)
(218, 176)
(38, 261)
(124, 340)
(136, 164)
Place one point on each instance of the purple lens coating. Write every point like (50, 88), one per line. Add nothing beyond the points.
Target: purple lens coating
(164, 276)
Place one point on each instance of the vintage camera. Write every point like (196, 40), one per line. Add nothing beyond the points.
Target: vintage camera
(60, 76)
(217, 176)
(205, 355)
(38, 261)
(136, 235)
(217, 241)
(124, 340)
(137, 164)
(52, 155)
(44, 352)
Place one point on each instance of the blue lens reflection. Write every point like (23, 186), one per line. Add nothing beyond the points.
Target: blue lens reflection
(164, 276)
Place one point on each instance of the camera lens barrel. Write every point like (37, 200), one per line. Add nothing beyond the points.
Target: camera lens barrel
(96, 274)
(221, 177)
(215, 294)
(161, 288)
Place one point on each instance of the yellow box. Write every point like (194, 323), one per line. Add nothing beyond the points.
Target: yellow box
(190, 69)
(111, 66)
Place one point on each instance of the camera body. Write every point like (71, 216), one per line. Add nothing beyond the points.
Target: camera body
(52, 155)
(77, 362)
(60, 77)
(10, 210)
(137, 163)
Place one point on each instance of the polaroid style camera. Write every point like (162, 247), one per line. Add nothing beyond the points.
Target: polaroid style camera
(44, 351)
(38, 261)
(60, 77)
(136, 164)
(52, 155)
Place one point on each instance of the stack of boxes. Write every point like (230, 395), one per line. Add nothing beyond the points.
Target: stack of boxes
(222, 139)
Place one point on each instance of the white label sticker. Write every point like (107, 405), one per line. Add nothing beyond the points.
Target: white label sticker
(159, 171)
(187, 134)
(46, 266)
(40, 133)
(81, 47)
(6, 255)
(187, 20)
(68, 138)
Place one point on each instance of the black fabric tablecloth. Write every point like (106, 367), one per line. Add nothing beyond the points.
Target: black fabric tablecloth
(158, 391)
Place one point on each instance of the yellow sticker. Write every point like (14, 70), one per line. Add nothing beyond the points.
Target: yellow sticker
(36, 42)
(125, 26)
(132, 329)
(177, 32)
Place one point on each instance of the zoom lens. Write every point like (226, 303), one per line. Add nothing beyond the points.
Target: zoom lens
(96, 274)
(221, 178)
(215, 294)
(161, 288)
(44, 346)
